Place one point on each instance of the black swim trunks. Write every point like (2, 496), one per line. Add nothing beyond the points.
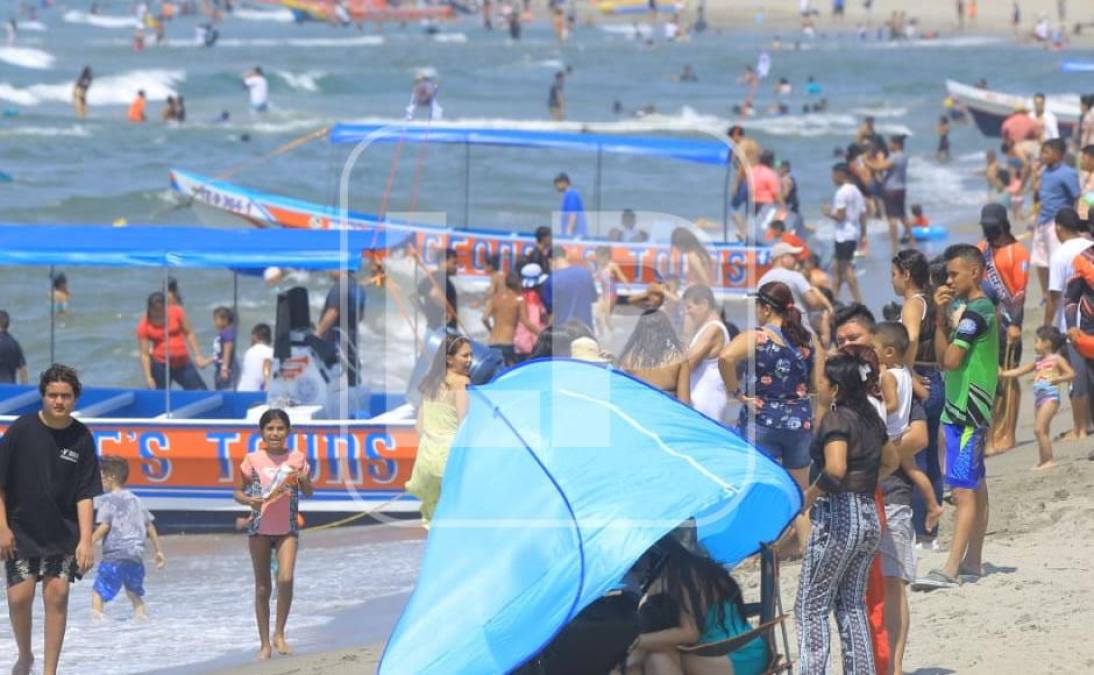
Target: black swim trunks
(21, 569)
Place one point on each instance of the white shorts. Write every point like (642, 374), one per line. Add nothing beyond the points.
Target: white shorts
(1045, 244)
(898, 544)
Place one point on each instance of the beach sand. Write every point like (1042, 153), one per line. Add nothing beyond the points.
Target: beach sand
(937, 15)
(1029, 614)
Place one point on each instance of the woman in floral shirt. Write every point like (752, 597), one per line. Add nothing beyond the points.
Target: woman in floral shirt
(776, 413)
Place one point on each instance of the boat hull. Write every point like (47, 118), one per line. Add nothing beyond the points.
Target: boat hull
(989, 109)
(736, 267)
(186, 470)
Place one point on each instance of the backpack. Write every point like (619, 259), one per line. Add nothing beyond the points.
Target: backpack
(1079, 299)
(523, 339)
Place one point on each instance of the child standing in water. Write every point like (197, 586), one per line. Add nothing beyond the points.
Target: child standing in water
(1050, 369)
(272, 479)
(943, 139)
(123, 524)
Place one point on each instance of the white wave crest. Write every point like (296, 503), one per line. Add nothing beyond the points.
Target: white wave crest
(880, 112)
(277, 15)
(457, 38)
(110, 90)
(308, 81)
(32, 25)
(100, 20)
(27, 57)
(76, 131)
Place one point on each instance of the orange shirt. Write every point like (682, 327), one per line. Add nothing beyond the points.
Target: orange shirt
(1006, 273)
(136, 110)
(175, 341)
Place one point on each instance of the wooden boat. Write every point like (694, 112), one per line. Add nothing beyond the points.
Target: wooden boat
(365, 10)
(184, 448)
(736, 266)
(989, 109)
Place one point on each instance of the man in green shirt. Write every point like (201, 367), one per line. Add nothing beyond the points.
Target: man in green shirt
(966, 340)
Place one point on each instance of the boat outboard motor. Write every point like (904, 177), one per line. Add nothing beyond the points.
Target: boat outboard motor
(485, 363)
(305, 368)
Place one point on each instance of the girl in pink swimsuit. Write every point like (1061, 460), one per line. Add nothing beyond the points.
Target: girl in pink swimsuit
(272, 479)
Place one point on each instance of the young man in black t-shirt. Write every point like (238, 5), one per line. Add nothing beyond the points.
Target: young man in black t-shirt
(49, 473)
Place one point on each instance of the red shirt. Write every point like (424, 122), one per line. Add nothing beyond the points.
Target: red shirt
(1020, 127)
(175, 342)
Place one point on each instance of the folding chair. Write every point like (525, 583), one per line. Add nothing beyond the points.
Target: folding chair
(769, 612)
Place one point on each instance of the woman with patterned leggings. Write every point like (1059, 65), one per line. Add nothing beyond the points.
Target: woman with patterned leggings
(850, 449)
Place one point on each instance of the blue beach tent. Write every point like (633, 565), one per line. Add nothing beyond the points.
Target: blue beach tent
(562, 474)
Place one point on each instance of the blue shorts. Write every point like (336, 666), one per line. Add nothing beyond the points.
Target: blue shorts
(791, 447)
(114, 574)
(964, 455)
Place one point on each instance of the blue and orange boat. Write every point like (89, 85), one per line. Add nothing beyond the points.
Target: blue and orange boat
(184, 447)
(737, 266)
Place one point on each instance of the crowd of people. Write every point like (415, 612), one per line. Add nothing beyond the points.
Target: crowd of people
(877, 417)
(58, 499)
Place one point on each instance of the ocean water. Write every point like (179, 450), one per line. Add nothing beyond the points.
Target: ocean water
(349, 584)
(103, 169)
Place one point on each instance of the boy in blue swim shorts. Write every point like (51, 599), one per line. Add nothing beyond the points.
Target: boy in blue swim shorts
(967, 345)
(122, 525)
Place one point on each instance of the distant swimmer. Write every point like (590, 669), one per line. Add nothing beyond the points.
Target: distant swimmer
(812, 88)
(180, 109)
(11, 29)
(79, 92)
(687, 74)
(512, 16)
(206, 35)
(556, 100)
(136, 108)
(672, 29)
(423, 98)
(763, 65)
(256, 84)
(138, 40)
(170, 110)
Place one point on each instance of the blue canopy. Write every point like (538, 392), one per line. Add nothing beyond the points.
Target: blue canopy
(703, 152)
(160, 246)
(1077, 66)
(562, 474)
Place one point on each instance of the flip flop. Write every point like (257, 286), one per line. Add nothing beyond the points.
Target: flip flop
(967, 575)
(935, 580)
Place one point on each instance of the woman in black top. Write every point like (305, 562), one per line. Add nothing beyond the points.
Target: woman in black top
(911, 281)
(850, 449)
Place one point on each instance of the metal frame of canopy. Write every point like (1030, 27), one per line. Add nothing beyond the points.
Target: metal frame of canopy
(169, 247)
(681, 149)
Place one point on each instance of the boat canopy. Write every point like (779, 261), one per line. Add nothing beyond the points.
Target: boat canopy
(685, 149)
(169, 246)
(539, 517)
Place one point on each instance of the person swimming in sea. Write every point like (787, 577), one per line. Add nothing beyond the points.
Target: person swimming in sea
(423, 98)
(79, 92)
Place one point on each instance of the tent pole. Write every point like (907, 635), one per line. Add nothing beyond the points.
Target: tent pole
(596, 183)
(725, 199)
(466, 184)
(166, 346)
(52, 321)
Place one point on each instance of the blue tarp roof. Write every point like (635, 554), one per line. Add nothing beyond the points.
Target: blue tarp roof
(562, 474)
(703, 152)
(159, 246)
